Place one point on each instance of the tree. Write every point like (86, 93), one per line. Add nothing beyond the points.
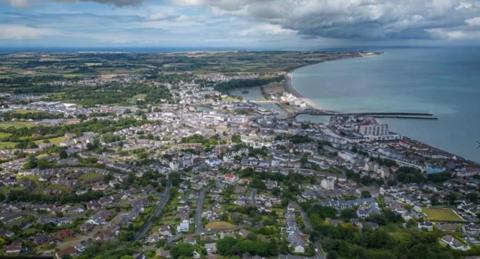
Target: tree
(410, 175)
(236, 139)
(182, 250)
(43, 163)
(366, 194)
(31, 162)
(63, 153)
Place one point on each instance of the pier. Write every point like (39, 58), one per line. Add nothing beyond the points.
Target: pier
(394, 115)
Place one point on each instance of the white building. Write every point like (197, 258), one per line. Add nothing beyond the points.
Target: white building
(184, 226)
(328, 183)
(372, 130)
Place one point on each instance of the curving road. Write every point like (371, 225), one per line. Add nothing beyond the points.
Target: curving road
(164, 198)
(319, 253)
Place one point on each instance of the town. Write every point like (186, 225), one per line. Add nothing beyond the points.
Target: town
(129, 155)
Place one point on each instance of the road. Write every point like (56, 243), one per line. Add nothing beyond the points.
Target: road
(254, 197)
(164, 198)
(319, 253)
(198, 212)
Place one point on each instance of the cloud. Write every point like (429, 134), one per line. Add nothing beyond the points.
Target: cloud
(22, 32)
(114, 2)
(28, 3)
(18, 3)
(347, 19)
(473, 21)
(266, 30)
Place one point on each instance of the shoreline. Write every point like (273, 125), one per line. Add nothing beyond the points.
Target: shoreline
(290, 88)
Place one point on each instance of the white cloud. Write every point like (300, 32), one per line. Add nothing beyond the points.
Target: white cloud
(473, 21)
(28, 3)
(19, 3)
(266, 29)
(22, 32)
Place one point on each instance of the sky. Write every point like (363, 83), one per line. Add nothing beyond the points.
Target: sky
(253, 24)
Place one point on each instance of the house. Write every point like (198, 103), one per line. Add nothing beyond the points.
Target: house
(367, 209)
(69, 251)
(164, 231)
(196, 255)
(454, 243)
(211, 248)
(64, 234)
(230, 178)
(428, 226)
(190, 240)
(14, 248)
(184, 226)
(299, 249)
(471, 229)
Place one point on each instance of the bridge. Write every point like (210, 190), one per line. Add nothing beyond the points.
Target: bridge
(396, 115)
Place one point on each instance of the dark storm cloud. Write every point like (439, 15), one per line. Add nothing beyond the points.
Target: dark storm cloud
(361, 19)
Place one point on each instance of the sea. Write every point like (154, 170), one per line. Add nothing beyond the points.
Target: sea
(444, 81)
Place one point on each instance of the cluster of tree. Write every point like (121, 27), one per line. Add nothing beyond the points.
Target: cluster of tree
(230, 246)
(26, 196)
(242, 83)
(440, 177)
(115, 93)
(37, 115)
(318, 213)
(386, 217)
(365, 179)
(110, 138)
(409, 175)
(149, 178)
(344, 242)
(300, 139)
(384, 162)
(207, 143)
(33, 162)
(292, 181)
(186, 250)
(112, 249)
(237, 139)
(98, 126)
(253, 152)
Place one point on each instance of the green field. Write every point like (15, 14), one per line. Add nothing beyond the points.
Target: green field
(219, 225)
(4, 135)
(441, 214)
(24, 111)
(16, 124)
(91, 177)
(7, 145)
(54, 141)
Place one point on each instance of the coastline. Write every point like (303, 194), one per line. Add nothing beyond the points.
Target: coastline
(290, 88)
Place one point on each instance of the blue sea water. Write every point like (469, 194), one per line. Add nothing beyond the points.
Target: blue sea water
(442, 81)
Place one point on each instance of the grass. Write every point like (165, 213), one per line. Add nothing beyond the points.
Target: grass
(220, 225)
(442, 214)
(25, 111)
(54, 141)
(16, 124)
(4, 135)
(8, 145)
(58, 187)
(11, 145)
(91, 177)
